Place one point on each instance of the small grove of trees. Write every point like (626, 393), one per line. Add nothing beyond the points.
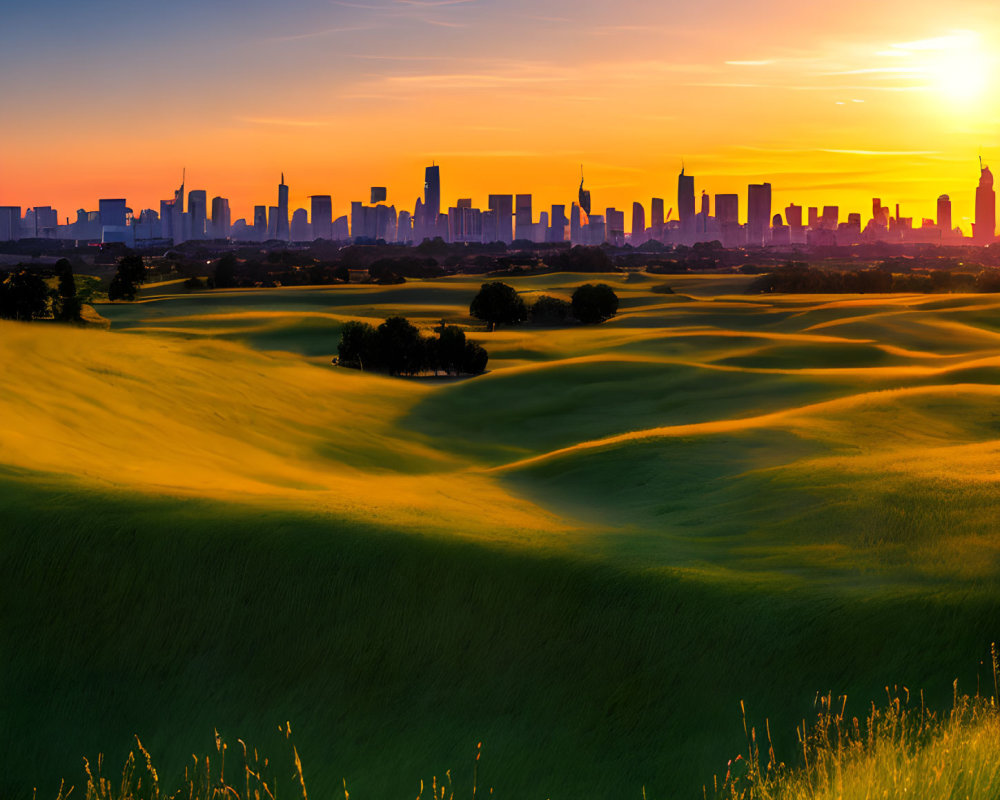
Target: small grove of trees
(130, 276)
(594, 302)
(497, 303)
(25, 295)
(398, 348)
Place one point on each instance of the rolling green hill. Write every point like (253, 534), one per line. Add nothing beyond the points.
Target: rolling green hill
(584, 559)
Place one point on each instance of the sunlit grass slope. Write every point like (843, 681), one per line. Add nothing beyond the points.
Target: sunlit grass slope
(584, 558)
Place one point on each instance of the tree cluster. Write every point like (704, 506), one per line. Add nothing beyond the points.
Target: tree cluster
(25, 294)
(500, 304)
(130, 276)
(398, 348)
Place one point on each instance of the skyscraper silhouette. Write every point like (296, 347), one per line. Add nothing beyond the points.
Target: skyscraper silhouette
(281, 230)
(685, 202)
(984, 231)
(758, 213)
(944, 215)
(584, 194)
(432, 200)
(321, 216)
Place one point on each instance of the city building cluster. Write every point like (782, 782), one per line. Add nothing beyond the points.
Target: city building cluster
(507, 218)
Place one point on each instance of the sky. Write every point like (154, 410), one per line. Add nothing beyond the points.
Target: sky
(832, 104)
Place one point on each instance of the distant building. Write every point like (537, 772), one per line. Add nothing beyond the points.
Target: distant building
(281, 230)
(758, 213)
(221, 219)
(10, 223)
(301, 231)
(831, 218)
(984, 229)
(198, 209)
(523, 217)
(614, 221)
(944, 214)
(112, 212)
(503, 205)
(321, 216)
(260, 222)
(656, 218)
(638, 223)
(685, 202)
(378, 194)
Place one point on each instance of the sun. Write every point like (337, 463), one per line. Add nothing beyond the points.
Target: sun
(958, 66)
(962, 75)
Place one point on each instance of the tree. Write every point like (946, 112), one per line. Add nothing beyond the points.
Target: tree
(498, 303)
(225, 272)
(398, 347)
(131, 274)
(549, 309)
(23, 296)
(447, 352)
(356, 345)
(594, 302)
(69, 305)
(474, 359)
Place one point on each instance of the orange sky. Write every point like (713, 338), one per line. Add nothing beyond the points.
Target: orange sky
(832, 106)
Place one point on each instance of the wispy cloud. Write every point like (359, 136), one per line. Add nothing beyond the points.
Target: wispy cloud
(763, 63)
(293, 123)
(881, 152)
(323, 32)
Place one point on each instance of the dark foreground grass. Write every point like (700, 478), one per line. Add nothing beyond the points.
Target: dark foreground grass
(394, 654)
(898, 750)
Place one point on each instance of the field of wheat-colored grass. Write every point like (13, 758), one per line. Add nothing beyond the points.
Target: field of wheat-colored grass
(584, 559)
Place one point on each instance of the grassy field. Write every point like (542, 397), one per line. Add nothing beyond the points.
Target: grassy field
(584, 559)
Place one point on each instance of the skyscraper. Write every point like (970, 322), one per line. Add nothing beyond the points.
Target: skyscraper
(260, 223)
(432, 197)
(321, 215)
(198, 209)
(944, 214)
(503, 204)
(281, 230)
(685, 201)
(523, 217)
(656, 217)
(221, 221)
(758, 213)
(984, 230)
(638, 223)
(584, 195)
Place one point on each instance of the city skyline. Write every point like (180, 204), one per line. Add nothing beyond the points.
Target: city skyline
(511, 217)
(820, 102)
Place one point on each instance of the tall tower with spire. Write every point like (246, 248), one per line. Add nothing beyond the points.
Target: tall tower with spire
(984, 230)
(584, 194)
(282, 231)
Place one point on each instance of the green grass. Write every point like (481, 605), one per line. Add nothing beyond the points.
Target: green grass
(584, 559)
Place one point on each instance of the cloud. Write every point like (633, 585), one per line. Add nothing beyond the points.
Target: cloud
(294, 123)
(762, 63)
(881, 152)
(324, 32)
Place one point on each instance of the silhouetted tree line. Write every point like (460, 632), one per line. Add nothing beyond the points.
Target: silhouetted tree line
(398, 348)
(496, 303)
(580, 259)
(800, 278)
